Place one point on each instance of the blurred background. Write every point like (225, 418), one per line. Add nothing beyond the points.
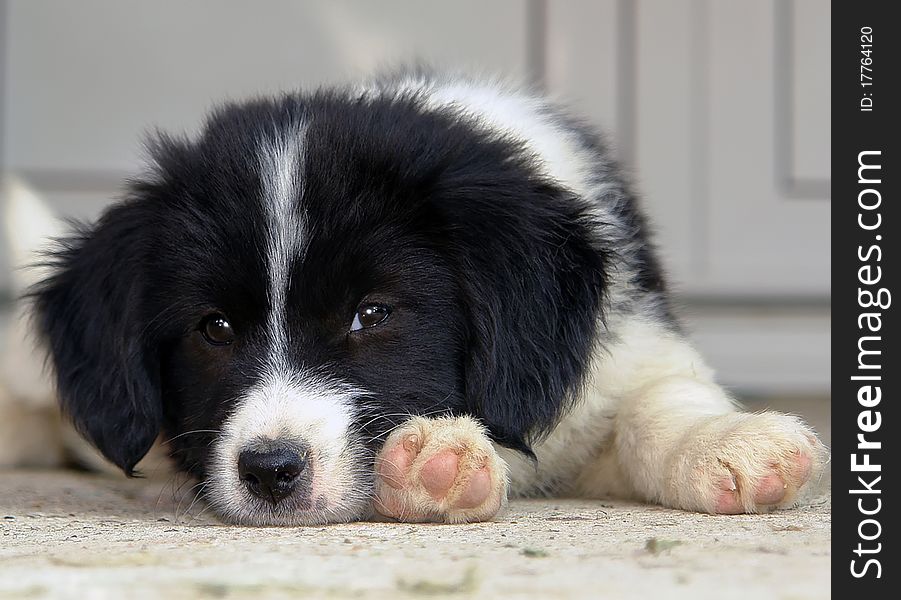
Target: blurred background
(719, 109)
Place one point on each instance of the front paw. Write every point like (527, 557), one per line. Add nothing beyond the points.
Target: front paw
(440, 470)
(745, 463)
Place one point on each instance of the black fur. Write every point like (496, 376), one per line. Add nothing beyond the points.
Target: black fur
(92, 315)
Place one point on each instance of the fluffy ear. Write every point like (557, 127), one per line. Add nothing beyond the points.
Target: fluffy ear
(533, 278)
(89, 312)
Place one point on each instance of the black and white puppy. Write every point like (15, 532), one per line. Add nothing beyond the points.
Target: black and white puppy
(406, 297)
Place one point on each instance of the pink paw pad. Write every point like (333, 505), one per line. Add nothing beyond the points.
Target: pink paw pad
(394, 463)
(803, 467)
(727, 499)
(478, 490)
(439, 474)
(770, 490)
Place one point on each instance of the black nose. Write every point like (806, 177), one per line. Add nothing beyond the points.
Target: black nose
(271, 475)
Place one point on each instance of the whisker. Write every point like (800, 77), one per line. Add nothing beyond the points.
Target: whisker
(189, 433)
(181, 500)
(196, 498)
(159, 498)
(407, 415)
(200, 514)
(379, 461)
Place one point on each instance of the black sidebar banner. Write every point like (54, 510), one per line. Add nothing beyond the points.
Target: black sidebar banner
(866, 364)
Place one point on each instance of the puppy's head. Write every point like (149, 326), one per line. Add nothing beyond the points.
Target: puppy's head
(278, 294)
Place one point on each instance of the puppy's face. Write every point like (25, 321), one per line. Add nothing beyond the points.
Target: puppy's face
(284, 371)
(279, 294)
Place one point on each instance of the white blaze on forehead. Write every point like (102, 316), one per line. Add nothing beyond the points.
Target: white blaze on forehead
(281, 165)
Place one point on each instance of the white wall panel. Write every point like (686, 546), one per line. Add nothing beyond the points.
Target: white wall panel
(762, 241)
(85, 78)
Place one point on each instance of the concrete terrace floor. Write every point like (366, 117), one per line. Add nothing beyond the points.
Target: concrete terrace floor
(76, 535)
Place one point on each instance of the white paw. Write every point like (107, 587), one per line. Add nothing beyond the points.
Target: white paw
(440, 470)
(745, 463)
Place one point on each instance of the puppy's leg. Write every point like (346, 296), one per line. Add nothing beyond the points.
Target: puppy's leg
(442, 470)
(680, 443)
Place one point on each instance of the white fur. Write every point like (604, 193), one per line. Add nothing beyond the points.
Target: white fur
(299, 408)
(281, 161)
(652, 425)
(643, 352)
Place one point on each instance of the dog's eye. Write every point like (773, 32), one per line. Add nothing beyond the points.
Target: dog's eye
(216, 330)
(369, 315)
